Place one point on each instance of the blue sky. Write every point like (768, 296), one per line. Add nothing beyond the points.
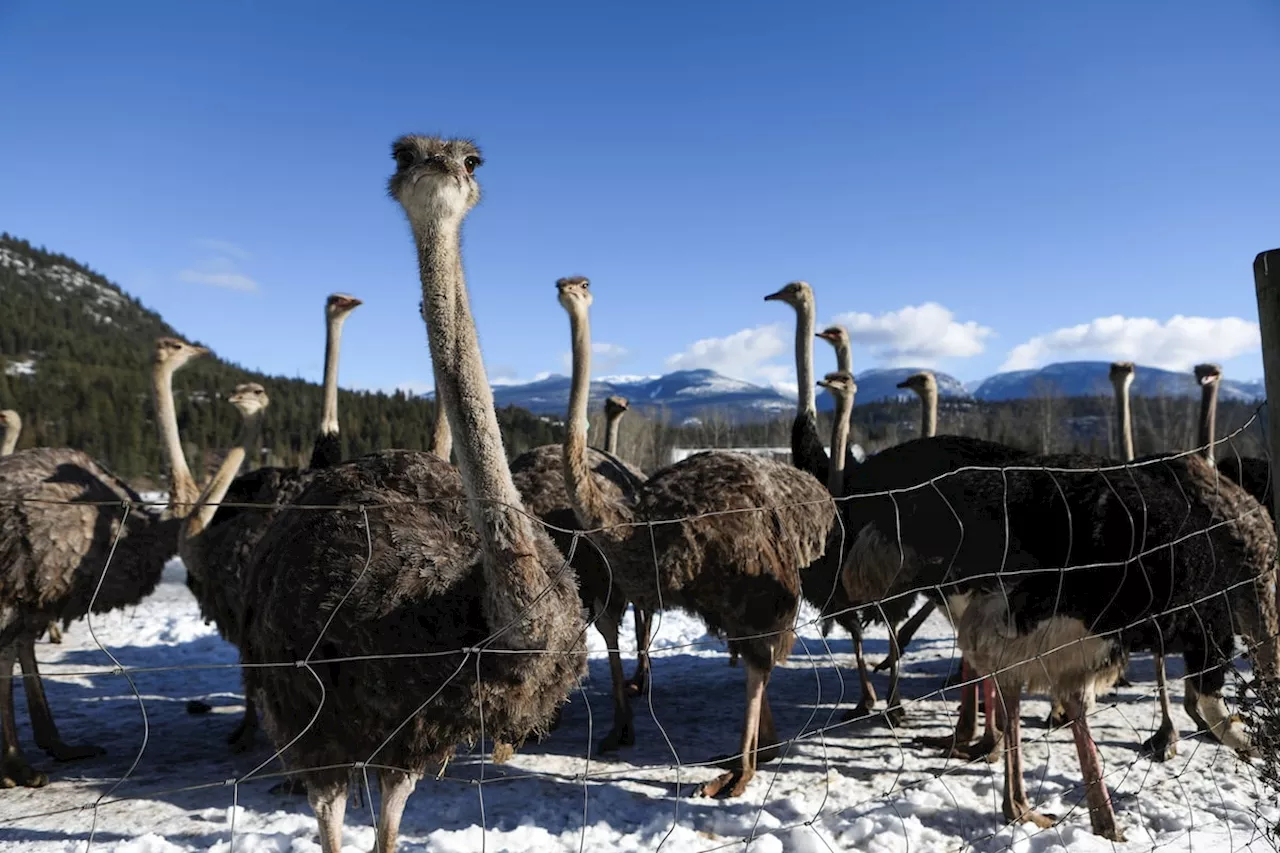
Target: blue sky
(970, 185)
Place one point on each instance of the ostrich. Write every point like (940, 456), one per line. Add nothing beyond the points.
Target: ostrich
(821, 581)
(1023, 618)
(12, 423)
(697, 536)
(67, 549)
(215, 541)
(539, 477)
(428, 560)
(1252, 473)
(1121, 375)
(614, 408)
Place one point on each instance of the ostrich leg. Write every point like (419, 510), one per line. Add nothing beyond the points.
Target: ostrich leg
(45, 730)
(1162, 745)
(639, 682)
(622, 733)
(1101, 815)
(868, 701)
(734, 782)
(1017, 808)
(396, 788)
(953, 745)
(907, 632)
(55, 633)
(330, 807)
(16, 770)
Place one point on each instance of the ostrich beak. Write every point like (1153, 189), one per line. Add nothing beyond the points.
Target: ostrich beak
(776, 295)
(201, 350)
(904, 384)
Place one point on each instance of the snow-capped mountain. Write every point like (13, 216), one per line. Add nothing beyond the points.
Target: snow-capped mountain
(1088, 378)
(690, 393)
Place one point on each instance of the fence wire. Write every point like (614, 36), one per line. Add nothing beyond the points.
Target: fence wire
(837, 783)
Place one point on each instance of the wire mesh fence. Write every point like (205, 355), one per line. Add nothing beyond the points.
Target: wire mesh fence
(839, 779)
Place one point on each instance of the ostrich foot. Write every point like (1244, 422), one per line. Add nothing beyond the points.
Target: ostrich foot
(55, 633)
(15, 772)
(1123, 681)
(618, 736)
(894, 715)
(1057, 719)
(1161, 746)
(1023, 813)
(731, 784)
(289, 788)
(861, 712)
(60, 751)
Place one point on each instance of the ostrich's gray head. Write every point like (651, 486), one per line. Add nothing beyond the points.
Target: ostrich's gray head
(1207, 374)
(614, 406)
(839, 384)
(920, 382)
(1121, 372)
(175, 352)
(574, 292)
(795, 294)
(339, 305)
(434, 178)
(250, 398)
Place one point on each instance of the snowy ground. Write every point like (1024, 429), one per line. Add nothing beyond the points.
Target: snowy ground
(855, 787)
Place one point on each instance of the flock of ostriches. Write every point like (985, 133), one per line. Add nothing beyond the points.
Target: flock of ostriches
(419, 605)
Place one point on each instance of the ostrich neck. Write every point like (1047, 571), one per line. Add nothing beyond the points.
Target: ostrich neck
(1124, 423)
(1208, 416)
(182, 486)
(10, 440)
(216, 489)
(844, 358)
(590, 504)
(611, 434)
(441, 436)
(514, 575)
(808, 403)
(929, 413)
(839, 445)
(332, 346)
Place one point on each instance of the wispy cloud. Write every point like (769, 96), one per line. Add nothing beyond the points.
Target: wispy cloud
(221, 269)
(224, 247)
(1176, 344)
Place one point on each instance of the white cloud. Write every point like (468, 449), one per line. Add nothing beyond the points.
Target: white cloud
(742, 355)
(222, 269)
(1177, 344)
(917, 335)
(605, 357)
(224, 247)
(229, 280)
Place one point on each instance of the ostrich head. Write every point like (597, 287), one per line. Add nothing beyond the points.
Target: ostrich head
(1121, 373)
(836, 335)
(1207, 374)
(434, 178)
(339, 305)
(250, 398)
(574, 292)
(922, 382)
(797, 294)
(172, 353)
(615, 406)
(839, 384)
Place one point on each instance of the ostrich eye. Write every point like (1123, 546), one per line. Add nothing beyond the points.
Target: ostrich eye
(404, 158)
(471, 162)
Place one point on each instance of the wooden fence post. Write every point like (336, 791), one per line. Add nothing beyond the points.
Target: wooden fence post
(1266, 279)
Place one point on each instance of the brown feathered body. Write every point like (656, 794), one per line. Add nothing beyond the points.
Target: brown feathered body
(215, 557)
(539, 477)
(725, 536)
(410, 583)
(1252, 474)
(60, 514)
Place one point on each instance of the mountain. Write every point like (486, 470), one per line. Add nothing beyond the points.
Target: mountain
(1089, 378)
(684, 394)
(75, 351)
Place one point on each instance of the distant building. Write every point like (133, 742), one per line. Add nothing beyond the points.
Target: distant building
(782, 454)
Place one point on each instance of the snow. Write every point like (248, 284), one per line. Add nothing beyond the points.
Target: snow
(20, 368)
(858, 786)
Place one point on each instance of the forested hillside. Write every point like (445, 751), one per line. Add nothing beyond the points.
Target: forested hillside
(75, 352)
